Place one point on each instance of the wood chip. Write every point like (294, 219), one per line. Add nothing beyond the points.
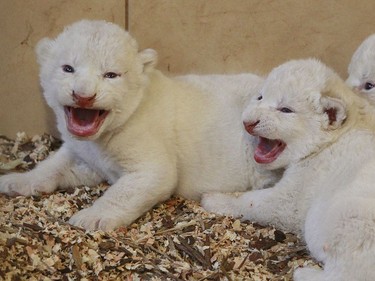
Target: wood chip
(177, 240)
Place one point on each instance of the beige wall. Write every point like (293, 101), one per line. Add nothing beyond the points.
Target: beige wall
(22, 24)
(201, 36)
(224, 36)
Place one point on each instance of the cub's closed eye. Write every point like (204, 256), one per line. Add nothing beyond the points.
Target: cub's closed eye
(286, 110)
(68, 68)
(111, 75)
(369, 86)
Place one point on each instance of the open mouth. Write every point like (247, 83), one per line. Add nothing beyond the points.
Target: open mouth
(268, 150)
(84, 122)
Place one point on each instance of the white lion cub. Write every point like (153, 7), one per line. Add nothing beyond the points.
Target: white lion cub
(308, 121)
(362, 69)
(125, 122)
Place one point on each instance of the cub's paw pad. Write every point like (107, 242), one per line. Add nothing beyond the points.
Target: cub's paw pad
(219, 203)
(21, 184)
(95, 219)
(308, 274)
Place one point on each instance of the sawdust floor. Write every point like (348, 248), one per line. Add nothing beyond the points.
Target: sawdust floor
(177, 240)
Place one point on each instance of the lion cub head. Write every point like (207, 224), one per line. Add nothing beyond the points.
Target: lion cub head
(301, 108)
(362, 69)
(92, 76)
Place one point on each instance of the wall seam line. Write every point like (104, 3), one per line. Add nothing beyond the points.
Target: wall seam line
(127, 15)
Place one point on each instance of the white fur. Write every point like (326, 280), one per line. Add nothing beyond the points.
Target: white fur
(327, 192)
(162, 136)
(362, 69)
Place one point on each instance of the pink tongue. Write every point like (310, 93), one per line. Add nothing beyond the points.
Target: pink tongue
(268, 150)
(84, 117)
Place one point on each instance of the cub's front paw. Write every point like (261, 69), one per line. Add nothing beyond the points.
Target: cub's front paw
(23, 184)
(308, 274)
(222, 203)
(95, 218)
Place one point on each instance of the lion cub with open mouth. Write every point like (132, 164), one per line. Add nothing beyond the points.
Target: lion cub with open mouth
(124, 122)
(308, 121)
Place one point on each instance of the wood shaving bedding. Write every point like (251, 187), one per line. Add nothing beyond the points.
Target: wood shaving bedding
(176, 240)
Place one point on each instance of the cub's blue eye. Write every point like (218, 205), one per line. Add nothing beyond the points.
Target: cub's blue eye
(111, 75)
(369, 86)
(68, 68)
(285, 110)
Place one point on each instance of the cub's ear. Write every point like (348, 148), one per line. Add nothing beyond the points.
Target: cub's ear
(43, 48)
(149, 58)
(335, 110)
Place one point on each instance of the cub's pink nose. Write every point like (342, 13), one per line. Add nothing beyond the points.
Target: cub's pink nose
(83, 101)
(249, 126)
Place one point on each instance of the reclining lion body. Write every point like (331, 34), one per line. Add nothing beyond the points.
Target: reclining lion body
(124, 122)
(327, 192)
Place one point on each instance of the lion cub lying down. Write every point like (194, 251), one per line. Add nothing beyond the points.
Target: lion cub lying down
(124, 122)
(308, 121)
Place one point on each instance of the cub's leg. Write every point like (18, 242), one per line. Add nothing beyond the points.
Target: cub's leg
(136, 192)
(60, 170)
(271, 206)
(347, 238)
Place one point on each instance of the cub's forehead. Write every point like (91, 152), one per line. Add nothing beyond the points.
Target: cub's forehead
(95, 39)
(362, 64)
(297, 80)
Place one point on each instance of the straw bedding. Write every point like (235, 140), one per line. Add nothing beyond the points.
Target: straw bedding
(177, 240)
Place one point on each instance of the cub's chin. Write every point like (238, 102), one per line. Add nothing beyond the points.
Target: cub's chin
(85, 123)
